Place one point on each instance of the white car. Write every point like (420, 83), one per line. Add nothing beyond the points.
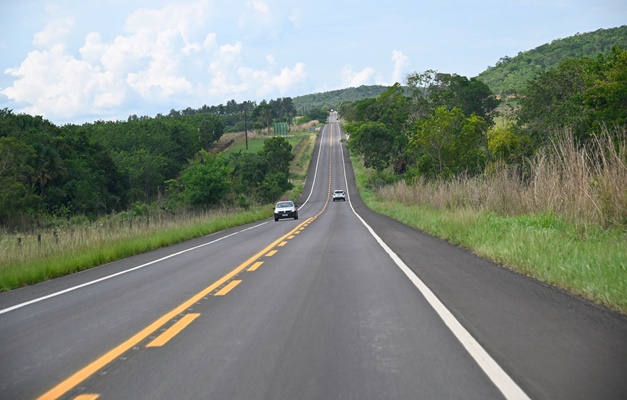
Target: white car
(285, 209)
(339, 195)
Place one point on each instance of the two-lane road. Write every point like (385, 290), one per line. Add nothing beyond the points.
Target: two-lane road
(340, 304)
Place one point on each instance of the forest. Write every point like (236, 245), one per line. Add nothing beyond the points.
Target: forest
(95, 169)
(510, 74)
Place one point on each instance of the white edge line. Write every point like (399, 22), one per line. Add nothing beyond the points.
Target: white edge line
(497, 375)
(313, 184)
(73, 288)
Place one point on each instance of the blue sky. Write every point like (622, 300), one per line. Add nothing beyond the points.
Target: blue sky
(75, 62)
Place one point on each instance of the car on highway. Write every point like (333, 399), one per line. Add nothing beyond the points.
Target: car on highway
(339, 195)
(285, 209)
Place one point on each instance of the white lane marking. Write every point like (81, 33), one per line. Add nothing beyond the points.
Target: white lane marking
(316, 169)
(73, 288)
(497, 375)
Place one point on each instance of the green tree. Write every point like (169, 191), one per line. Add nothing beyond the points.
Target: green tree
(277, 153)
(548, 103)
(375, 142)
(249, 171)
(277, 156)
(206, 181)
(449, 143)
(265, 112)
(16, 193)
(507, 144)
(273, 186)
(432, 89)
(583, 95)
(605, 97)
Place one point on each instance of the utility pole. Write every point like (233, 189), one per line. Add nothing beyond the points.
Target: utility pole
(246, 122)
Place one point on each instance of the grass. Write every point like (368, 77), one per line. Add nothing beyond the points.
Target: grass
(255, 143)
(80, 248)
(564, 225)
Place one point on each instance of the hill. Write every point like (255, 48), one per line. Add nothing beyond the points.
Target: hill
(333, 98)
(510, 74)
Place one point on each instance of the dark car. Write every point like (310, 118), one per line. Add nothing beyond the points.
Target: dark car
(285, 209)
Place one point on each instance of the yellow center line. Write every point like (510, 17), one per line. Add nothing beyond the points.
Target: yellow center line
(282, 244)
(87, 397)
(271, 253)
(255, 266)
(90, 369)
(230, 286)
(173, 330)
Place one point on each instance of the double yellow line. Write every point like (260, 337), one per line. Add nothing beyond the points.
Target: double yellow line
(89, 370)
(223, 284)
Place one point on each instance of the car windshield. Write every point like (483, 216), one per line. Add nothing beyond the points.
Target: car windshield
(285, 204)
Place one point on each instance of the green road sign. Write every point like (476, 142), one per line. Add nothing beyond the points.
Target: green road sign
(280, 129)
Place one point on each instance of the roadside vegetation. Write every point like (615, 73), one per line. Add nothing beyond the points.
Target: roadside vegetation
(60, 246)
(561, 225)
(540, 188)
(30, 258)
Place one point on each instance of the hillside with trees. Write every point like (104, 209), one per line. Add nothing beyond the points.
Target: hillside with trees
(443, 131)
(510, 74)
(332, 99)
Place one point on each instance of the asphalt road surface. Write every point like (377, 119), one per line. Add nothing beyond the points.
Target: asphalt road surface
(340, 304)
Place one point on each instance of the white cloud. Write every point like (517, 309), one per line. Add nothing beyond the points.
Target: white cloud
(401, 62)
(256, 16)
(54, 83)
(54, 33)
(352, 78)
(289, 77)
(231, 77)
(296, 19)
(165, 55)
(223, 70)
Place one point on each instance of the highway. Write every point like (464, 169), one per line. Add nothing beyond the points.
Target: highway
(340, 304)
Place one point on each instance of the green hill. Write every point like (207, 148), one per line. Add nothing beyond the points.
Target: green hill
(510, 74)
(333, 98)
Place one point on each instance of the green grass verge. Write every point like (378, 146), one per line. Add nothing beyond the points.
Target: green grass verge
(545, 247)
(17, 275)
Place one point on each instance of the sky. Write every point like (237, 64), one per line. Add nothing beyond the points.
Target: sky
(82, 61)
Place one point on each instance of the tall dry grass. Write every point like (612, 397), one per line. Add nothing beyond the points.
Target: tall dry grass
(586, 185)
(37, 244)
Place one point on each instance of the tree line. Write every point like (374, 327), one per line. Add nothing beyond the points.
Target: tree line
(106, 166)
(442, 125)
